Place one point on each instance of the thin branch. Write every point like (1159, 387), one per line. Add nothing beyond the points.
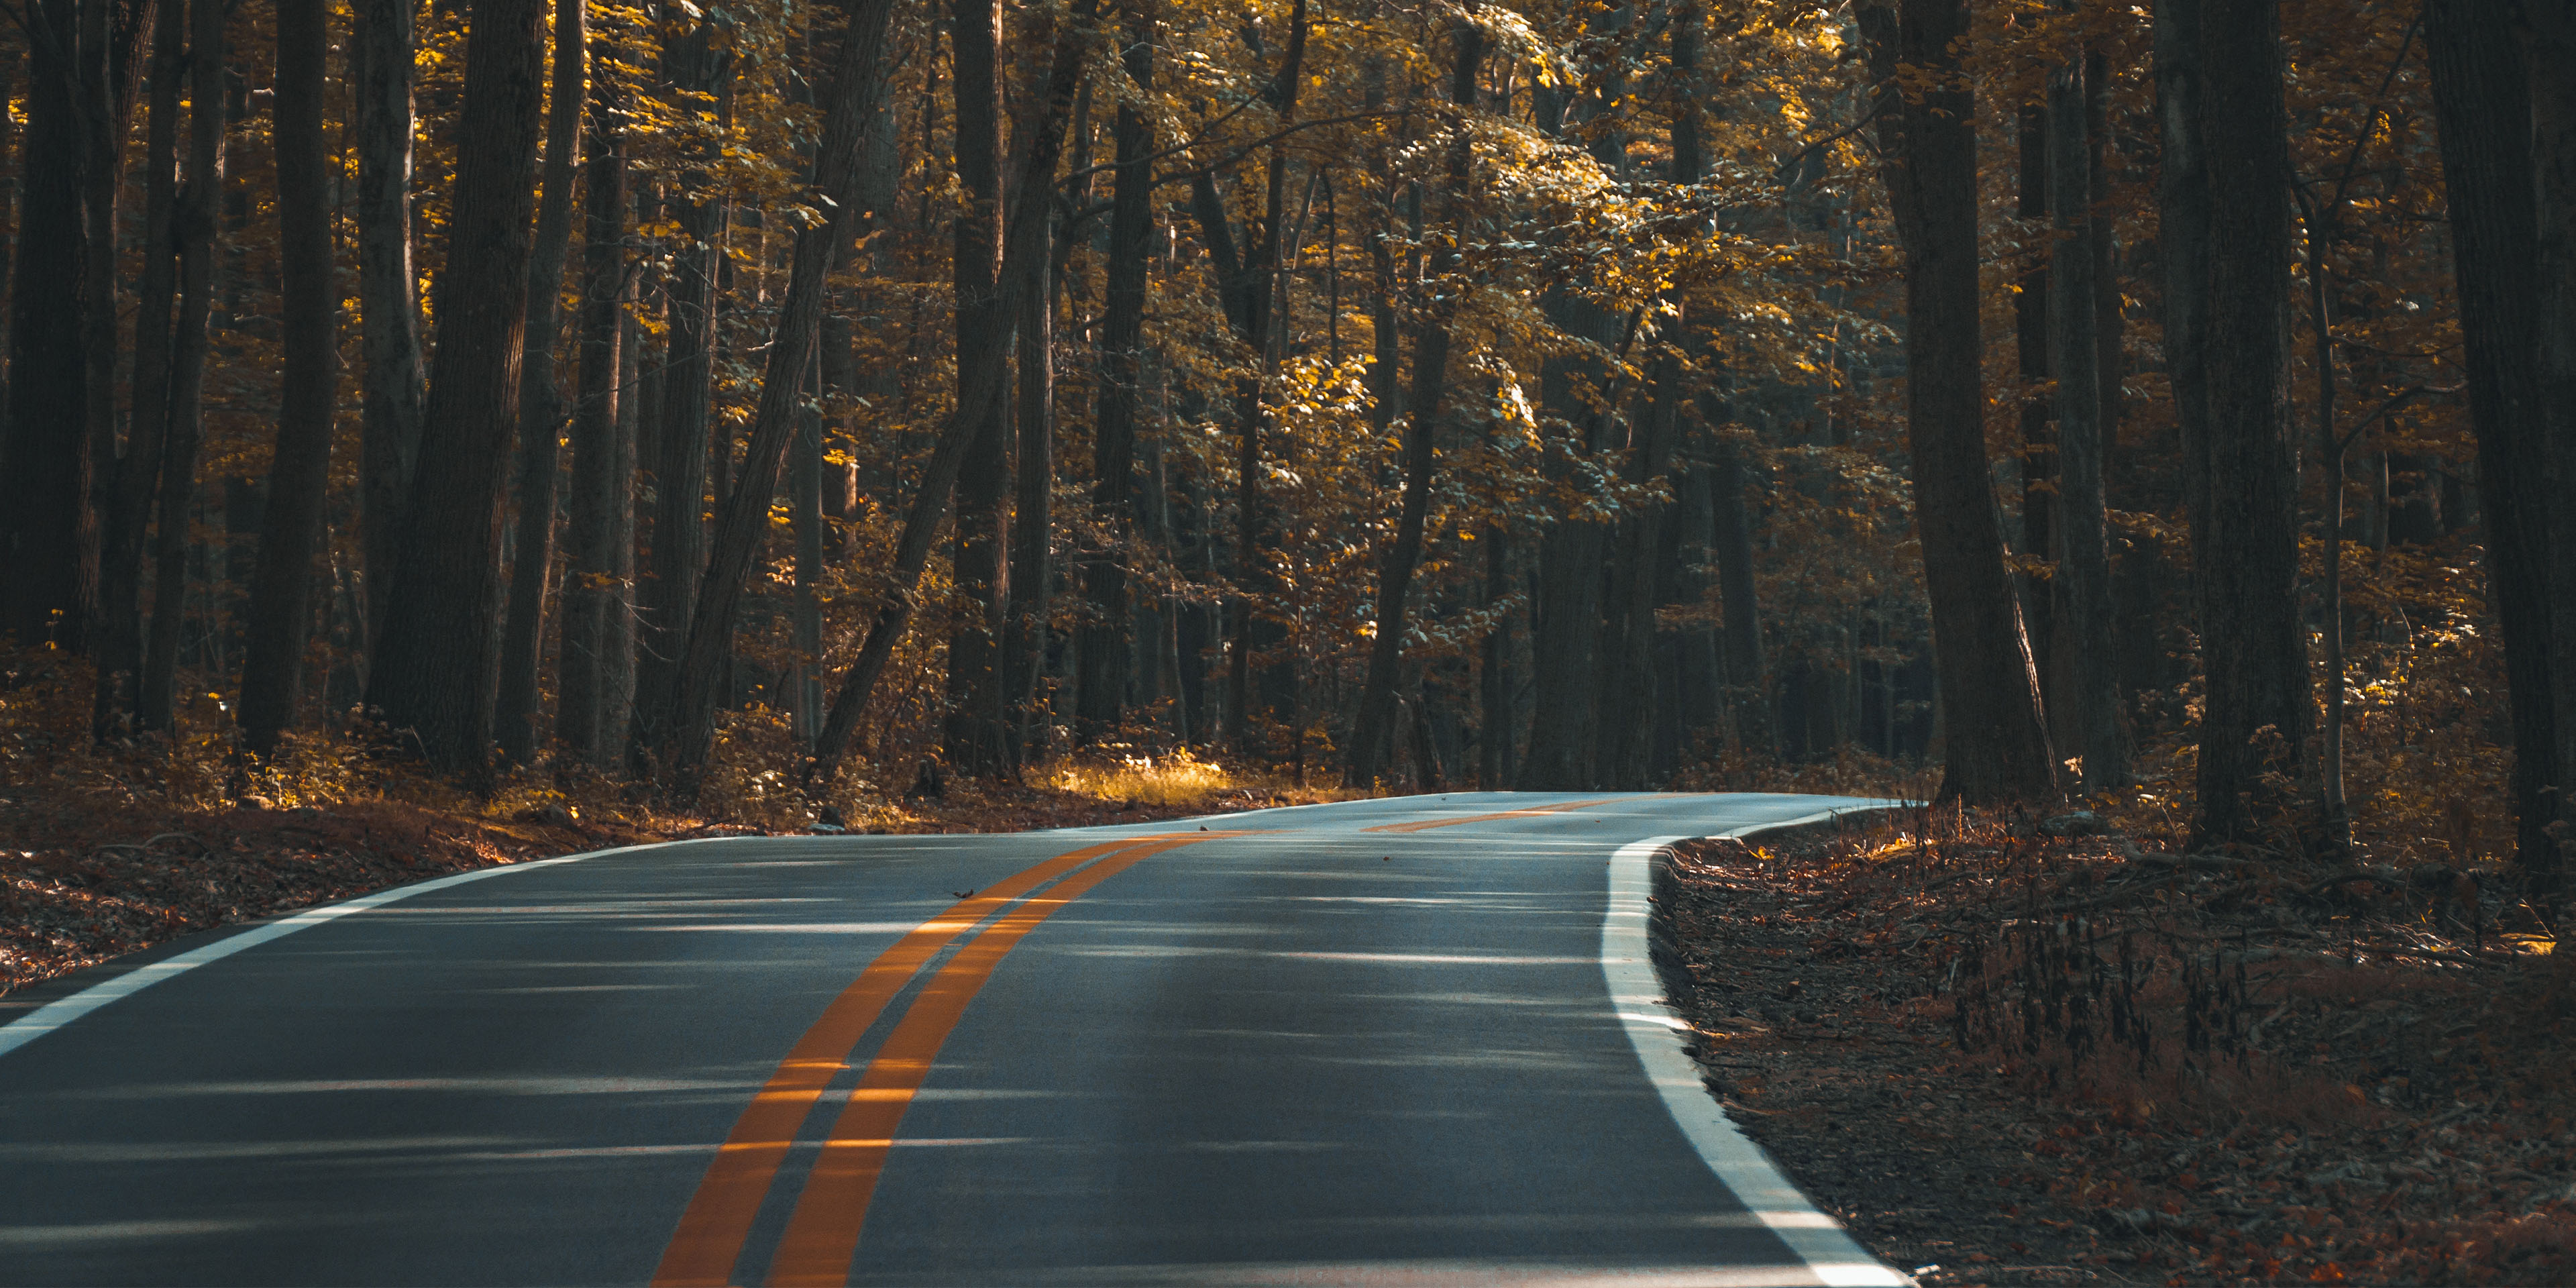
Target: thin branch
(1229, 114)
(1789, 164)
(1264, 141)
(2394, 401)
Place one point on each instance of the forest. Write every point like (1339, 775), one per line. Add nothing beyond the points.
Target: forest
(757, 404)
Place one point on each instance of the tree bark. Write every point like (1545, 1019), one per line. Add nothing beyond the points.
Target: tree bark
(1421, 425)
(299, 475)
(594, 594)
(388, 290)
(48, 533)
(434, 667)
(2038, 422)
(1023, 247)
(1997, 749)
(2548, 35)
(110, 38)
(692, 64)
(857, 93)
(2257, 709)
(1494, 758)
(2083, 582)
(514, 719)
(10, 157)
(1024, 632)
(138, 469)
(973, 733)
(195, 222)
(1102, 645)
(2182, 245)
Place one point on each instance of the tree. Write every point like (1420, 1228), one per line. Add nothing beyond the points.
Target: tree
(49, 459)
(857, 94)
(2548, 38)
(434, 668)
(1102, 641)
(1998, 739)
(1023, 247)
(281, 613)
(602, 483)
(388, 290)
(2082, 584)
(974, 734)
(195, 228)
(1422, 419)
(2256, 715)
(540, 403)
(139, 466)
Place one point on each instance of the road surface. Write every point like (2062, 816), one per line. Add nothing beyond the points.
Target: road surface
(1392, 1041)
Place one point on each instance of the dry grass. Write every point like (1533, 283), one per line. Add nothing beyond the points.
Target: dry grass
(1176, 779)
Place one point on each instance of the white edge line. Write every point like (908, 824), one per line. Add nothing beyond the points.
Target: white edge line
(1829, 1252)
(63, 1010)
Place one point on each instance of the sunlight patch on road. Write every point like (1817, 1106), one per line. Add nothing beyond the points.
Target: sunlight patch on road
(216, 1151)
(56, 1236)
(564, 1085)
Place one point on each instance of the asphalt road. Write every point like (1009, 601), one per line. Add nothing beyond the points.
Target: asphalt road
(1407, 1040)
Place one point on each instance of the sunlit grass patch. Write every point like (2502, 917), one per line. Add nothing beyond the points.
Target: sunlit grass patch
(1175, 778)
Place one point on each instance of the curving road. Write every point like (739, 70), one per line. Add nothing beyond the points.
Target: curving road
(1393, 1041)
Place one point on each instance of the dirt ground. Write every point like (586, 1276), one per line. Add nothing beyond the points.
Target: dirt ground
(2009, 1058)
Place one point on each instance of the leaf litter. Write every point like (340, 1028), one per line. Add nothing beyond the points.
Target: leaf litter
(2003, 1056)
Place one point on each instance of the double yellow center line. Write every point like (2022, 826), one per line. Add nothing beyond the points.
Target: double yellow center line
(823, 1233)
(1534, 811)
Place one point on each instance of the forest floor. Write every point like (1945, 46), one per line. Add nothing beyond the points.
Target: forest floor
(97, 864)
(2006, 1057)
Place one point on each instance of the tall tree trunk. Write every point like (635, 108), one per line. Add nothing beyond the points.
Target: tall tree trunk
(388, 290)
(10, 158)
(109, 40)
(2083, 582)
(617, 627)
(1998, 747)
(973, 742)
(1747, 680)
(299, 475)
(1565, 623)
(2257, 709)
(2182, 246)
(48, 559)
(1024, 631)
(1700, 674)
(1023, 247)
(856, 95)
(120, 645)
(593, 595)
(514, 719)
(1246, 283)
(2549, 51)
(1421, 425)
(1494, 758)
(434, 667)
(195, 222)
(694, 64)
(2038, 419)
(1101, 645)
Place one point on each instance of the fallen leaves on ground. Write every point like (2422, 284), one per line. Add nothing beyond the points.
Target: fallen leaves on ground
(2008, 1058)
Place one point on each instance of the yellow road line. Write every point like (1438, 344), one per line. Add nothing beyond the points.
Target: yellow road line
(711, 1232)
(823, 1234)
(1426, 824)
